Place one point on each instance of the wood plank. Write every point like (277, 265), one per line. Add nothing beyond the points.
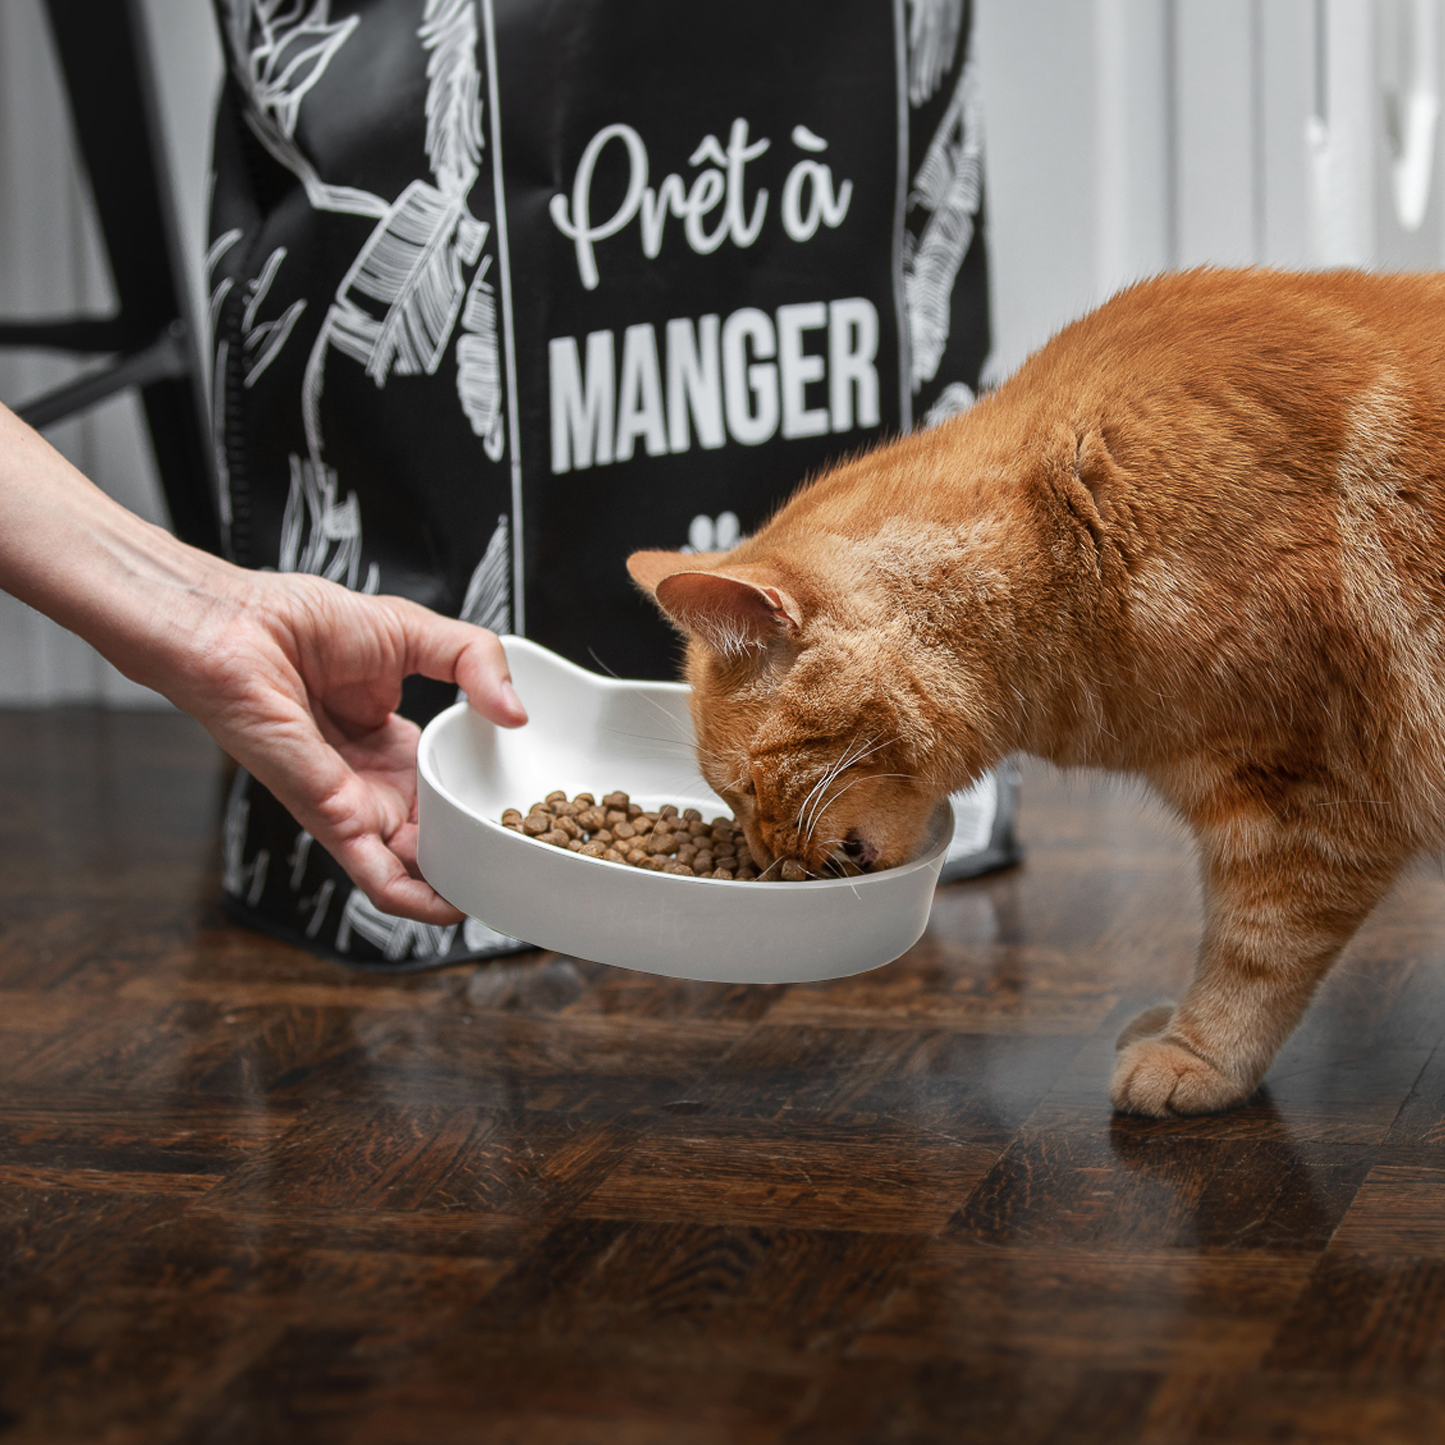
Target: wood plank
(1399, 1209)
(729, 1171)
(246, 1194)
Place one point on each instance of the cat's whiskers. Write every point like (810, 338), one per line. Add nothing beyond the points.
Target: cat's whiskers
(651, 738)
(650, 701)
(852, 756)
(841, 865)
(829, 774)
(803, 826)
(689, 748)
(824, 802)
(844, 869)
(870, 777)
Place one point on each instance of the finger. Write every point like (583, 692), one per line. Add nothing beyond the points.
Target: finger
(347, 816)
(471, 657)
(383, 877)
(483, 674)
(403, 844)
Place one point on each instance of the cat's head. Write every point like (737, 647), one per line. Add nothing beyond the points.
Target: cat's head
(809, 718)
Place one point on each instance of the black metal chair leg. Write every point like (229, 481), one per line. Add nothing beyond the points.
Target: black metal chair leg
(152, 342)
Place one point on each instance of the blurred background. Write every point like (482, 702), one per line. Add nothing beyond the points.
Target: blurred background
(1124, 137)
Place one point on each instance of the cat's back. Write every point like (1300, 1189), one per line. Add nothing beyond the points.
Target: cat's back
(1268, 397)
(1238, 399)
(1296, 341)
(1270, 453)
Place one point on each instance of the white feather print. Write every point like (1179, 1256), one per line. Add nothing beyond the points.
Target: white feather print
(300, 853)
(218, 433)
(319, 534)
(477, 937)
(218, 298)
(318, 906)
(933, 31)
(269, 339)
(479, 365)
(282, 49)
(262, 340)
(397, 938)
(218, 250)
(351, 331)
(239, 878)
(219, 247)
(949, 185)
(955, 399)
(453, 100)
(222, 244)
(408, 280)
(488, 600)
(396, 309)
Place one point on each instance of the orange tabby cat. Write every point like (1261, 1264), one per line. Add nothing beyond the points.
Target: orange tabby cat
(1200, 536)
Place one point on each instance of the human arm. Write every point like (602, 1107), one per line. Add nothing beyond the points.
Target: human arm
(297, 678)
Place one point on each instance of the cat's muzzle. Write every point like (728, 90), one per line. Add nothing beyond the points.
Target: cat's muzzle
(860, 851)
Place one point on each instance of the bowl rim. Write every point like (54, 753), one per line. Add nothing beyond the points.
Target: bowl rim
(940, 832)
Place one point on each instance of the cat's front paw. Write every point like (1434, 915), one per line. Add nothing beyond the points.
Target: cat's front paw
(1151, 1021)
(1162, 1078)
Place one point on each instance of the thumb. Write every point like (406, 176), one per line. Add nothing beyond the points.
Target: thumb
(473, 658)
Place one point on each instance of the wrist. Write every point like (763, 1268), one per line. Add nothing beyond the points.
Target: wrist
(139, 595)
(158, 609)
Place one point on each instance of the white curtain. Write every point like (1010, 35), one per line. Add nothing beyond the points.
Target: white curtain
(1126, 136)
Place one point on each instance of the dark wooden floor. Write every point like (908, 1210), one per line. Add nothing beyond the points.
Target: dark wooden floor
(246, 1196)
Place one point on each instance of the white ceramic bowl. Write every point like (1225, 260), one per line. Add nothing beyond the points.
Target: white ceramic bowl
(596, 734)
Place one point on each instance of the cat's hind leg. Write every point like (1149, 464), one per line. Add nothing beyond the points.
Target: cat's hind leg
(1281, 901)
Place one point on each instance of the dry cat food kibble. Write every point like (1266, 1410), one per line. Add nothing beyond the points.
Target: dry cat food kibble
(665, 841)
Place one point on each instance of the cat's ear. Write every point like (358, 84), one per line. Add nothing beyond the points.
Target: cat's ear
(729, 611)
(649, 568)
(1095, 468)
(1081, 481)
(737, 610)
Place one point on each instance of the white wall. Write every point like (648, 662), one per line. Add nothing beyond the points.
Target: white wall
(1124, 136)
(51, 264)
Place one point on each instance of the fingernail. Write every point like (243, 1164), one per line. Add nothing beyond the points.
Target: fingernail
(509, 696)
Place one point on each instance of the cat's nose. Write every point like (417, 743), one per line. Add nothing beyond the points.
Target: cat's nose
(860, 850)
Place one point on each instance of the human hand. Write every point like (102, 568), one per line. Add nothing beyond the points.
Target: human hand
(295, 677)
(298, 679)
